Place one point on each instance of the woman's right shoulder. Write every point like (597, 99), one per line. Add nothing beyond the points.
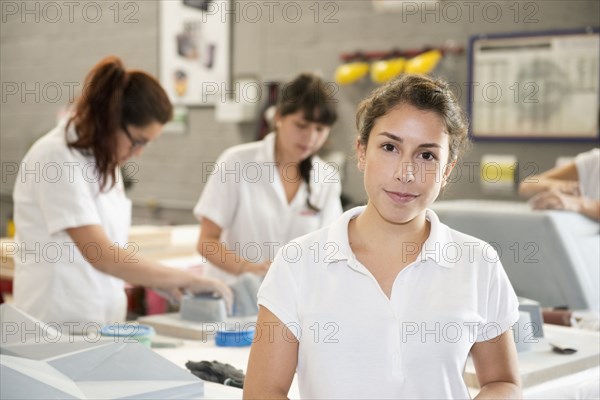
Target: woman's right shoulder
(303, 246)
(52, 146)
(241, 152)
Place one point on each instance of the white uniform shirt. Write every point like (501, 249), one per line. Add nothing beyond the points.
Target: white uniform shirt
(588, 170)
(357, 343)
(246, 198)
(58, 188)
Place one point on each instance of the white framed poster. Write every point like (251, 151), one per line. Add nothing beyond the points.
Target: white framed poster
(535, 86)
(194, 50)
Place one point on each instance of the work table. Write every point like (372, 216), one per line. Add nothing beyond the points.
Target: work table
(543, 372)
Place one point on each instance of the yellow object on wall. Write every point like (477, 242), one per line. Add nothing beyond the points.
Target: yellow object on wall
(423, 63)
(498, 173)
(386, 70)
(10, 228)
(351, 72)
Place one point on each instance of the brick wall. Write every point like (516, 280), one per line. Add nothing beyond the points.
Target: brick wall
(271, 47)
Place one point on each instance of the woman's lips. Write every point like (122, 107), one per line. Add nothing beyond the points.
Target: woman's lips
(401, 197)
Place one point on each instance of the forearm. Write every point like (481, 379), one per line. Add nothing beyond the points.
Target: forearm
(535, 184)
(260, 394)
(125, 264)
(220, 256)
(500, 390)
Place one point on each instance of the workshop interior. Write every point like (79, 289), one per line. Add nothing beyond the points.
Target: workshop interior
(208, 199)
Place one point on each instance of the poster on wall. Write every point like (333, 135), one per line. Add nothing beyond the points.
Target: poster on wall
(535, 86)
(194, 50)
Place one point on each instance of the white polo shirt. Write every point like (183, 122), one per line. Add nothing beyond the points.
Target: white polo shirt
(588, 171)
(357, 343)
(58, 188)
(246, 198)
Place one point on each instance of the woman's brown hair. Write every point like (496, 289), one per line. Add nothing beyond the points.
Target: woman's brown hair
(311, 95)
(423, 93)
(113, 98)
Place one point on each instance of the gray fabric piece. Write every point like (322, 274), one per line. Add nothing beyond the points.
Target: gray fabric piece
(245, 291)
(203, 308)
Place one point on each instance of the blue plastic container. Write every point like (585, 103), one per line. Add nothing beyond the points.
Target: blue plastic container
(235, 337)
(143, 334)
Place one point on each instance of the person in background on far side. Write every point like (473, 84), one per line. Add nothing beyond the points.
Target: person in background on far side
(571, 187)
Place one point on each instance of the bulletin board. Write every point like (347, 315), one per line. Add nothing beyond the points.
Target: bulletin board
(194, 50)
(535, 86)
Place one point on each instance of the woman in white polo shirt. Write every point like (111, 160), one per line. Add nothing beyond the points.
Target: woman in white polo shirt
(387, 301)
(71, 213)
(263, 194)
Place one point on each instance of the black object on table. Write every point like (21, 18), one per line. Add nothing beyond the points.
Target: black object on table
(218, 372)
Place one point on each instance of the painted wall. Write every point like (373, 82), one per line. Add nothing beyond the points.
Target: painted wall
(44, 55)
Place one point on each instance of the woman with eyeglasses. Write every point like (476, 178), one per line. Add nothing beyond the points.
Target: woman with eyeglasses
(71, 213)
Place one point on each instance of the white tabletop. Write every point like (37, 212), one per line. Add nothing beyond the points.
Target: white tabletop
(206, 350)
(544, 374)
(541, 364)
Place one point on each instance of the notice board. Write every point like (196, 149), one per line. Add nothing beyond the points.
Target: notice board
(535, 86)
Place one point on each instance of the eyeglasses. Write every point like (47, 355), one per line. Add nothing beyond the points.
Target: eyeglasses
(135, 143)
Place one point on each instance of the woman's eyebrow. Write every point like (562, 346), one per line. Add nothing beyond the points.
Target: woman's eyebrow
(391, 136)
(399, 140)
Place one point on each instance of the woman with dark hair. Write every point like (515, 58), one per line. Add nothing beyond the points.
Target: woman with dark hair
(72, 220)
(263, 194)
(395, 310)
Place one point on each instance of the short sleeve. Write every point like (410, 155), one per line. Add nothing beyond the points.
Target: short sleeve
(333, 205)
(501, 310)
(279, 293)
(330, 203)
(588, 170)
(64, 190)
(219, 199)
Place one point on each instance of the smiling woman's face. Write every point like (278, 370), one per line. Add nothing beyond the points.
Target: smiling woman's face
(405, 162)
(132, 139)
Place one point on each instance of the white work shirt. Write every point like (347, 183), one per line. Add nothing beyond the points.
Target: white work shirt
(357, 343)
(58, 188)
(588, 171)
(246, 198)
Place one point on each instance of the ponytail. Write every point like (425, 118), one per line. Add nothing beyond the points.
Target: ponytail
(305, 169)
(111, 99)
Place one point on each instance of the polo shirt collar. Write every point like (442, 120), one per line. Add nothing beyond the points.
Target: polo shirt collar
(433, 249)
(440, 237)
(267, 150)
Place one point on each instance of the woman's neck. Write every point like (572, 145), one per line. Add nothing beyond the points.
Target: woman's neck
(286, 166)
(370, 231)
(281, 158)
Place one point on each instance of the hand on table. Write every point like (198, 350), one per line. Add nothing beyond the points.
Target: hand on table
(556, 200)
(195, 283)
(564, 186)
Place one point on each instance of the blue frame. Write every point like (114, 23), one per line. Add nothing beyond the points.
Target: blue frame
(474, 38)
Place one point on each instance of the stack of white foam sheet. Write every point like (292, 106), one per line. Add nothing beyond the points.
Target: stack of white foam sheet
(35, 365)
